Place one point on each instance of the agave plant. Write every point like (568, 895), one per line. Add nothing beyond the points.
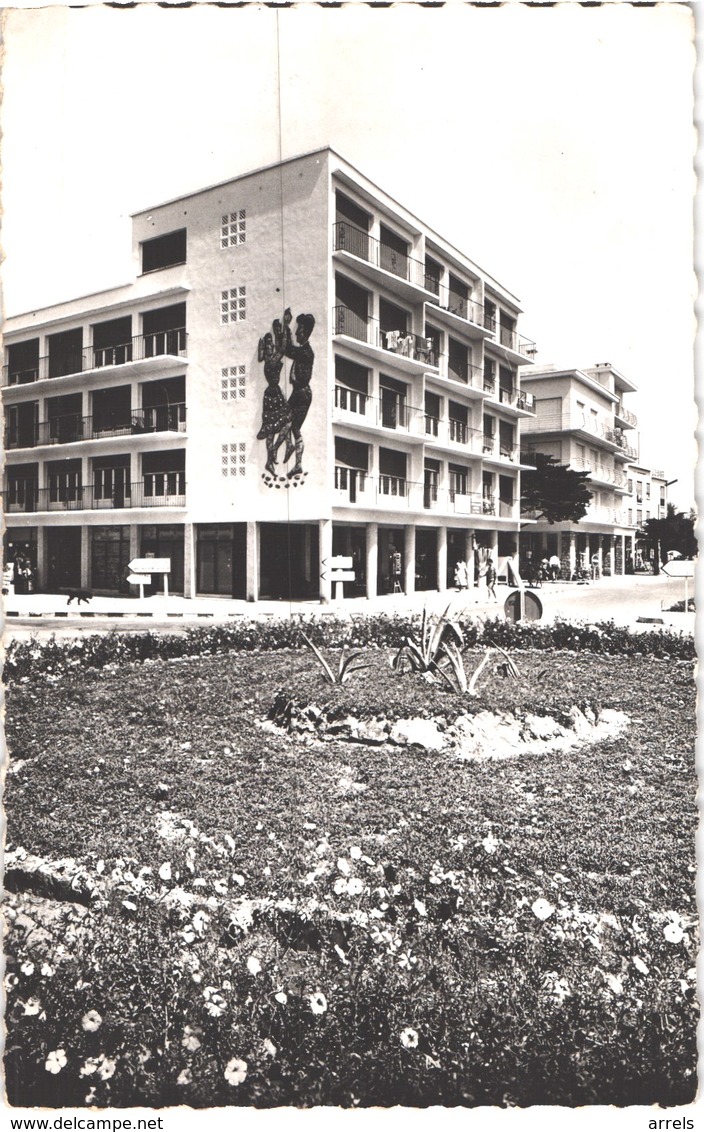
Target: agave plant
(506, 667)
(346, 665)
(436, 652)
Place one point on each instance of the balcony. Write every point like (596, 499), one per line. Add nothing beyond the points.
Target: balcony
(494, 449)
(158, 489)
(628, 419)
(73, 428)
(351, 485)
(407, 348)
(169, 343)
(465, 315)
(409, 272)
(522, 349)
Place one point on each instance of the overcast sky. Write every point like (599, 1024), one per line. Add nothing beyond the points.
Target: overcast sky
(553, 146)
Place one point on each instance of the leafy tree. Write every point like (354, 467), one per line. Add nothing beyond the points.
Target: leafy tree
(674, 532)
(552, 491)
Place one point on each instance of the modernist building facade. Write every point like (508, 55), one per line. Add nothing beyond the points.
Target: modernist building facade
(581, 419)
(186, 415)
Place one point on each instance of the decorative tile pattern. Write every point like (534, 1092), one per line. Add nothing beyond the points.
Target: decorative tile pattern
(233, 228)
(233, 382)
(233, 304)
(234, 460)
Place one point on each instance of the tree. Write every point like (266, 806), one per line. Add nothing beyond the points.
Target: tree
(674, 532)
(552, 491)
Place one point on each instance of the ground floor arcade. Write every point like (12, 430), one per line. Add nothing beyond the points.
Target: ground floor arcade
(594, 553)
(275, 561)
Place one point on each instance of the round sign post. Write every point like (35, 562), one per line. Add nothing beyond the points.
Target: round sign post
(523, 605)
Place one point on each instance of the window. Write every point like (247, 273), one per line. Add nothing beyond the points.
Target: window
(23, 362)
(458, 481)
(639, 517)
(233, 382)
(233, 305)
(647, 489)
(489, 375)
(457, 361)
(639, 491)
(233, 228)
(662, 496)
(630, 487)
(164, 251)
(234, 460)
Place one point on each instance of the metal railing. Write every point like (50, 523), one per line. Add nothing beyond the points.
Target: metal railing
(514, 341)
(626, 415)
(156, 489)
(71, 428)
(492, 446)
(404, 343)
(396, 492)
(346, 237)
(351, 400)
(460, 305)
(144, 346)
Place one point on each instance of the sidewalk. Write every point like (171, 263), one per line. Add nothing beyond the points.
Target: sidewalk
(621, 599)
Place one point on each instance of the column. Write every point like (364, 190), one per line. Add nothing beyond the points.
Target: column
(409, 559)
(41, 557)
(569, 553)
(442, 559)
(85, 557)
(189, 560)
(469, 544)
(325, 543)
(252, 562)
(372, 552)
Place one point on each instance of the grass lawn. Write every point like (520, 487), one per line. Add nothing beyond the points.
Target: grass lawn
(293, 920)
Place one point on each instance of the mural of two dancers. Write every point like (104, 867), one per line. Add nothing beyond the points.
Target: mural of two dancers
(282, 420)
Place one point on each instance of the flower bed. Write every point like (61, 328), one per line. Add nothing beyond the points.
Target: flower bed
(264, 919)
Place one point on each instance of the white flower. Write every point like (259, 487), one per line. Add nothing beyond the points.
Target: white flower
(640, 965)
(130, 905)
(355, 853)
(47, 970)
(91, 1021)
(235, 1071)
(673, 933)
(340, 953)
(409, 1038)
(190, 1040)
(542, 909)
(420, 908)
(106, 1069)
(90, 1097)
(318, 1002)
(269, 1047)
(343, 865)
(355, 886)
(615, 982)
(188, 935)
(55, 1061)
(27, 968)
(215, 1005)
(33, 1006)
(201, 921)
(185, 1077)
(90, 1066)
(253, 965)
(490, 843)
(281, 997)
(165, 871)
(10, 980)
(340, 886)
(220, 887)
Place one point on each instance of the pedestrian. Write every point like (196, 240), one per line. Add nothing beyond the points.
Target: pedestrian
(491, 580)
(554, 565)
(461, 580)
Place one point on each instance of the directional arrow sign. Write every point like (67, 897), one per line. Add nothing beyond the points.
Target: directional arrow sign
(150, 565)
(139, 579)
(679, 568)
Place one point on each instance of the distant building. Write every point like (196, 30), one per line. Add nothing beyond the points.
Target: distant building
(171, 417)
(580, 419)
(646, 499)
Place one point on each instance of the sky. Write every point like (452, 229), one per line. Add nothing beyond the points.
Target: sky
(554, 146)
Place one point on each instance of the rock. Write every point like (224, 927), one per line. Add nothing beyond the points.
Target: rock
(417, 733)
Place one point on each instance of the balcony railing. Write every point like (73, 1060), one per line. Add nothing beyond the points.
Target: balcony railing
(351, 483)
(493, 447)
(351, 400)
(626, 415)
(397, 493)
(459, 305)
(71, 428)
(405, 344)
(156, 489)
(144, 346)
(348, 238)
(511, 340)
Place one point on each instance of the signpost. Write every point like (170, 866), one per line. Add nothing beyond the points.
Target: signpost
(681, 568)
(340, 572)
(141, 570)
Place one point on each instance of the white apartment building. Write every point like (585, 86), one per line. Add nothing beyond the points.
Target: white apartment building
(180, 414)
(580, 419)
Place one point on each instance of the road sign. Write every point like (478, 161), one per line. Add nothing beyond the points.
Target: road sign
(139, 579)
(679, 568)
(341, 562)
(532, 607)
(343, 576)
(150, 565)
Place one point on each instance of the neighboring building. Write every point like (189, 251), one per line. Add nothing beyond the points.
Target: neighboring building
(580, 419)
(646, 499)
(156, 419)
